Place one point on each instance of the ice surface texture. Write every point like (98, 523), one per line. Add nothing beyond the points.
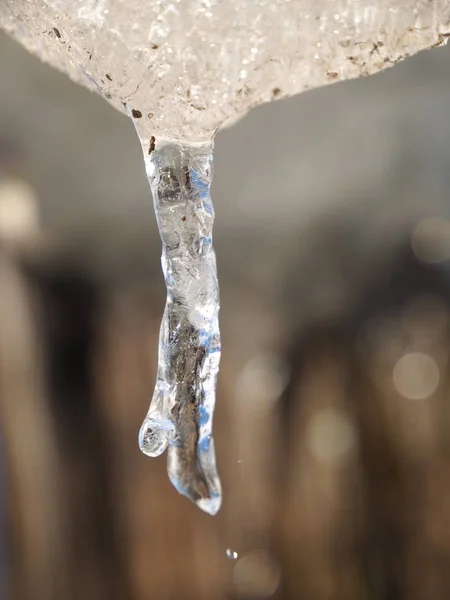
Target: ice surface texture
(181, 410)
(188, 66)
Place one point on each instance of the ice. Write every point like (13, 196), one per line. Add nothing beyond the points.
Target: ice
(181, 411)
(189, 66)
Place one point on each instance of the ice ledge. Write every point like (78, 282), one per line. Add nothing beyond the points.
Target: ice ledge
(184, 68)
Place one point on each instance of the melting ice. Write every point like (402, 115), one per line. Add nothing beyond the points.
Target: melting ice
(181, 410)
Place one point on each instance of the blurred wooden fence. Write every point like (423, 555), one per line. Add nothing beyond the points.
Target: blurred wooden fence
(333, 446)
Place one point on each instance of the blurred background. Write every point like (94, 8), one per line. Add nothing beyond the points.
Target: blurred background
(333, 418)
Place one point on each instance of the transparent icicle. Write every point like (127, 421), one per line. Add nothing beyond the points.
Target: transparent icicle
(181, 411)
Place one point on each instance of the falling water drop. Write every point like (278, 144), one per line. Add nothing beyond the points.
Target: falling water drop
(181, 411)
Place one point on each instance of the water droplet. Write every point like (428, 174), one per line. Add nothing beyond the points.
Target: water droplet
(154, 436)
(232, 554)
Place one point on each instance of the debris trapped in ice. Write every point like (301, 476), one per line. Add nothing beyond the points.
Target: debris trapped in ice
(181, 411)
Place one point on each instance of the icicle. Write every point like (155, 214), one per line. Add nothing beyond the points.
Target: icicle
(181, 411)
